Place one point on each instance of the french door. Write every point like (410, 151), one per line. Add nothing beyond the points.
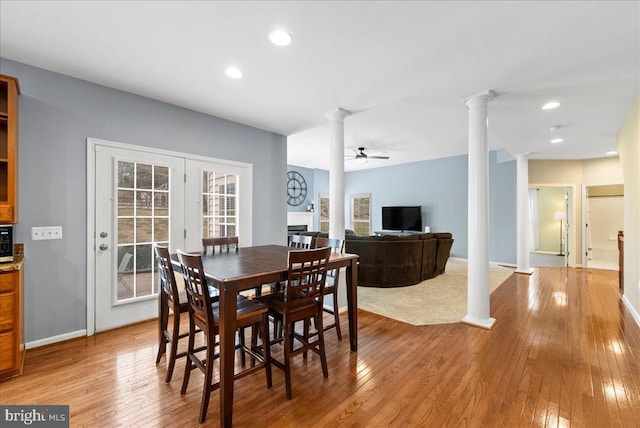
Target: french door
(138, 196)
(139, 200)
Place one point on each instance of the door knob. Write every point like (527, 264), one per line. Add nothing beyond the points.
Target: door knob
(103, 247)
(103, 234)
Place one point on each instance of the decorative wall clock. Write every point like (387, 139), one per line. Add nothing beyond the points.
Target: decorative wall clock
(296, 188)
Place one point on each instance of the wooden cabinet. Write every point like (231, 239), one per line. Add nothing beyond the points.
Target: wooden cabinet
(9, 91)
(11, 334)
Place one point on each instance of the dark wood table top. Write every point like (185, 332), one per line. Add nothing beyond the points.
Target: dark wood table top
(252, 266)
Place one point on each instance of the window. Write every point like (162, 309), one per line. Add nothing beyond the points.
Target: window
(143, 218)
(324, 213)
(219, 202)
(361, 213)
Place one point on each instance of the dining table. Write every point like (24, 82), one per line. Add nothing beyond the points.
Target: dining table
(250, 267)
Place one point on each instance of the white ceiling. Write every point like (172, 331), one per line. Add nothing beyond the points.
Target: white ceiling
(401, 68)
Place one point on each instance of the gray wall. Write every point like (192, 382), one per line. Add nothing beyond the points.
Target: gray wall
(57, 114)
(440, 187)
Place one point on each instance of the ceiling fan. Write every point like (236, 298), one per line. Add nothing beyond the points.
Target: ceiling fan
(361, 156)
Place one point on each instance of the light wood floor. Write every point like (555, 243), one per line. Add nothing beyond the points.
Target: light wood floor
(564, 352)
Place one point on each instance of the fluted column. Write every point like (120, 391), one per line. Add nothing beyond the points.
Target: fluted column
(336, 172)
(478, 214)
(522, 215)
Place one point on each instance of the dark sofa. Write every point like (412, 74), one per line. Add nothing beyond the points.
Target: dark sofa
(395, 261)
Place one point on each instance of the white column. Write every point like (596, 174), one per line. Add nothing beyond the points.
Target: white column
(336, 172)
(522, 216)
(478, 214)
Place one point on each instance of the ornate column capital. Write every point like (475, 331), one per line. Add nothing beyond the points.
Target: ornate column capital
(338, 114)
(483, 97)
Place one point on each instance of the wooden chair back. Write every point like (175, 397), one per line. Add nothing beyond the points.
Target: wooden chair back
(300, 241)
(306, 279)
(333, 279)
(200, 309)
(167, 275)
(222, 242)
(336, 245)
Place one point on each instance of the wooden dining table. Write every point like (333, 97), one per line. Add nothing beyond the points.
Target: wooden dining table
(250, 267)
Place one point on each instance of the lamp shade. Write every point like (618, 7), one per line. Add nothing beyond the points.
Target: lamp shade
(560, 215)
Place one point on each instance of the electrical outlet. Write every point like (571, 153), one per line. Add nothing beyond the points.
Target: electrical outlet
(42, 233)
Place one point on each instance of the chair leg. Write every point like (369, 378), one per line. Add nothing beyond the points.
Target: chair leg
(206, 388)
(189, 365)
(305, 334)
(266, 348)
(336, 316)
(288, 343)
(163, 320)
(323, 354)
(243, 357)
(174, 346)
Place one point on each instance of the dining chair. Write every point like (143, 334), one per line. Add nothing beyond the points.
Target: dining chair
(333, 277)
(301, 300)
(170, 299)
(221, 242)
(300, 241)
(204, 314)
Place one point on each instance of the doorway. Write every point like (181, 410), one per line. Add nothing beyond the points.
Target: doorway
(138, 196)
(603, 215)
(550, 226)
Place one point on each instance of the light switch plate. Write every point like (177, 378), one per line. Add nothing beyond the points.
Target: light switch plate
(42, 233)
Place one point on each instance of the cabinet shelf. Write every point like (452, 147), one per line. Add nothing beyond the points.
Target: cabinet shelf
(9, 92)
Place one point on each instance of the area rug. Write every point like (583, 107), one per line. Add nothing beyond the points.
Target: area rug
(438, 300)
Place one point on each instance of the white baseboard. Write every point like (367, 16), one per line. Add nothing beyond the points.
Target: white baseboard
(631, 309)
(55, 339)
(494, 264)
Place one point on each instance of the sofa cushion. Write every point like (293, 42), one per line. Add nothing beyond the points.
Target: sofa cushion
(429, 255)
(426, 236)
(362, 238)
(443, 235)
(399, 237)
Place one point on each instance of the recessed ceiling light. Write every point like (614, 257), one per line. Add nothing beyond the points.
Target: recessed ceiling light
(556, 141)
(280, 38)
(550, 105)
(556, 128)
(612, 152)
(234, 72)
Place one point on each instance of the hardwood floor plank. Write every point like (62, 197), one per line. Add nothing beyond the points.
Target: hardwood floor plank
(564, 352)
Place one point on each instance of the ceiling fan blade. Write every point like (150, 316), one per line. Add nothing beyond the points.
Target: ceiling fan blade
(378, 157)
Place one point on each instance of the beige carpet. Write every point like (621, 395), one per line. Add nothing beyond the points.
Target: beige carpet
(439, 300)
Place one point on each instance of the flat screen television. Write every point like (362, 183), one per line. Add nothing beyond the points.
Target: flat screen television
(402, 218)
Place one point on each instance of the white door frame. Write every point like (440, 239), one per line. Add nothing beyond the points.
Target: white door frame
(584, 217)
(92, 143)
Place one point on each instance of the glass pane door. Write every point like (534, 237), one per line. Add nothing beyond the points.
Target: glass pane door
(142, 219)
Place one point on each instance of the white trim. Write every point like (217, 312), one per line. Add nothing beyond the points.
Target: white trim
(99, 142)
(583, 226)
(91, 209)
(55, 339)
(487, 323)
(631, 309)
(491, 264)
